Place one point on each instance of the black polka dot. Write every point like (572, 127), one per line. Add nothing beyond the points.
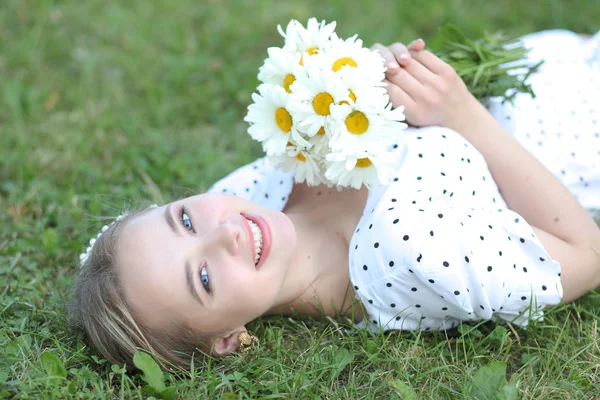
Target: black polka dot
(489, 268)
(431, 281)
(481, 237)
(376, 245)
(542, 259)
(411, 271)
(370, 226)
(391, 264)
(395, 221)
(393, 305)
(500, 253)
(482, 307)
(395, 179)
(440, 215)
(522, 240)
(405, 238)
(355, 287)
(446, 264)
(544, 287)
(442, 154)
(414, 289)
(394, 200)
(419, 178)
(420, 155)
(444, 308)
(466, 259)
(523, 297)
(388, 284)
(419, 258)
(524, 269)
(456, 292)
(417, 305)
(365, 267)
(266, 195)
(431, 233)
(370, 301)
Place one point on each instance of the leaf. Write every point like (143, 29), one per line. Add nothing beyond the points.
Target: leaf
(342, 359)
(487, 381)
(405, 391)
(508, 392)
(53, 365)
(169, 393)
(152, 372)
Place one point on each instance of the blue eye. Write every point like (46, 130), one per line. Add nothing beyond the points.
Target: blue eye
(204, 279)
(185, 220)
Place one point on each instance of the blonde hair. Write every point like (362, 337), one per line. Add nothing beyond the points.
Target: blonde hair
(100, 308)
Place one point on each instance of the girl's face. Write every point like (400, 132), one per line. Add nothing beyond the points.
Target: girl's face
(192, 261)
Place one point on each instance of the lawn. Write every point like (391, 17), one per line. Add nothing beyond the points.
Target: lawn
(106, 103)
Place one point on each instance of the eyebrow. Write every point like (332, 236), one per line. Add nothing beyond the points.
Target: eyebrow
(190, 282)
(171, 221)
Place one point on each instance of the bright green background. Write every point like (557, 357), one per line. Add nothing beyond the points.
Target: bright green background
(104, 103)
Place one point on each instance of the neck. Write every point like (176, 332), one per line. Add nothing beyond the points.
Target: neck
(303, 271)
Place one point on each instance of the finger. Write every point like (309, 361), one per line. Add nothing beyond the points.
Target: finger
(401, 54)
(417, 45)
(407, 83)
(390, 61)
(431, 62)
(399, 97)
(420, 72)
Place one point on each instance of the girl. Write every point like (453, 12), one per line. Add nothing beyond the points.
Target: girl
(486, 218)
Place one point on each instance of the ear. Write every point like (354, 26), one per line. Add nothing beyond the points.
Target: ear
(224, 345)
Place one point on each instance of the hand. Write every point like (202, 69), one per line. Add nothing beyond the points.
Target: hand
(429, 88)
(397, 55)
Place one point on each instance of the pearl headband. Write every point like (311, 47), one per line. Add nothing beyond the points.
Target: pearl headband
(83, 257)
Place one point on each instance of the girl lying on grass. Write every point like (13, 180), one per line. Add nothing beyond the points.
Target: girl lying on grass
(488, 217)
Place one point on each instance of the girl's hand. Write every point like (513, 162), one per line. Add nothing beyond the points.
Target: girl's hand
(397, 55)
(429, 88)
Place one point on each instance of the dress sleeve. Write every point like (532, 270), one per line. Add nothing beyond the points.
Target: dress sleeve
(258, 182)
(432, 269)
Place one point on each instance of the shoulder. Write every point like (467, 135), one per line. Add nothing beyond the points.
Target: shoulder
(259, 182)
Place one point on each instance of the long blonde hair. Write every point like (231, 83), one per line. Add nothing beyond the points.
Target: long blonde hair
(101, 310)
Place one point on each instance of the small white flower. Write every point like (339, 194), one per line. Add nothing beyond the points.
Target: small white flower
(302, 162)
(271, 122)
(314, 92)
(358, 129)
(309, 40)
(349, 53)
(369, 169)
(279, 68)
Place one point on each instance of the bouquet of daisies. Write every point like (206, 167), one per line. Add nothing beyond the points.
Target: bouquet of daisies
(323, 110)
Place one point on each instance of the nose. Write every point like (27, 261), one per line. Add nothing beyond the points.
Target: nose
(226, 236)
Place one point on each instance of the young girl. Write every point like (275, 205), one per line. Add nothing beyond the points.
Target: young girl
(486, 218)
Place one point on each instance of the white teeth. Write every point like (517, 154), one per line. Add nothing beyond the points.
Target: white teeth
(257, 240)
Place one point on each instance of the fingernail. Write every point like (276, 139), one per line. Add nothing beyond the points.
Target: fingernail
(404, 56)
(392, 65)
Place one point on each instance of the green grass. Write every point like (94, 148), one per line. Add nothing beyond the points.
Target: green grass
(104, 103)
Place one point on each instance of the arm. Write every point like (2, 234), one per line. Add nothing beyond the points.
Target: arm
(433, 94)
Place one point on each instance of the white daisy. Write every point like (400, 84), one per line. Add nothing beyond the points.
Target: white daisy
(349, 53)
(314, 92)
(359, 87)
(271, 122)
(279, 68)
(309, 40)
(358, 129)
(369, 169)
(302, 162)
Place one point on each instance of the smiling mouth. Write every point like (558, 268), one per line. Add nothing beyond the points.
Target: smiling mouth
(258, 241)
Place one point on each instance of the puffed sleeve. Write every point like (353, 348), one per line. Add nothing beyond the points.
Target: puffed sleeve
(258, 182)
(430, 267)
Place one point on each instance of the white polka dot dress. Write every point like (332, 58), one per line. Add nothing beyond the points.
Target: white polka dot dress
(439, 245)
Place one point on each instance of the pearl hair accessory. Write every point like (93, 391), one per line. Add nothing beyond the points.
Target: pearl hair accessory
(84, 256)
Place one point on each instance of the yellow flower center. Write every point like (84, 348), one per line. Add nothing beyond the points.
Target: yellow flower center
(363, 163)
(352, 96)
(357, 123)
(321, 131)
(321, 103)
(283, 119)
(340, 62)
(301, 157)
(287, 82)
(310, 51)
